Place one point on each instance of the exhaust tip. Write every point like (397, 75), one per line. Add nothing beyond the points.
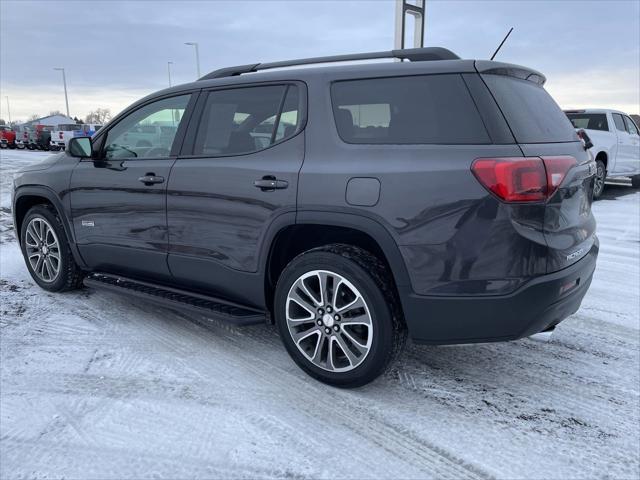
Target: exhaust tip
(544, 336)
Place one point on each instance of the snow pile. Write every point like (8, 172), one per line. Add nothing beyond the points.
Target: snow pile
(98, 386)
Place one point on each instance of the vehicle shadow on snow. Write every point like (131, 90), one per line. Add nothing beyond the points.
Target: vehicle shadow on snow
(613, 191)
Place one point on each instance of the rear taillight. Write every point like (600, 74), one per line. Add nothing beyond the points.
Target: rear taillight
(522, 179)
(60, 135)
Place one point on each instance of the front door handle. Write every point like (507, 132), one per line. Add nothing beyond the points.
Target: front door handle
(150, 179)
(269, 183)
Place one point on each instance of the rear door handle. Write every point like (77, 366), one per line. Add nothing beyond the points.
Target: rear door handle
(270, 183)
(150, 179)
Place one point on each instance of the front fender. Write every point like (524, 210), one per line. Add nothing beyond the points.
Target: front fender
(22, 192)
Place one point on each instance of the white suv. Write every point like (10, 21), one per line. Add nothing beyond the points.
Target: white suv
(616, 143)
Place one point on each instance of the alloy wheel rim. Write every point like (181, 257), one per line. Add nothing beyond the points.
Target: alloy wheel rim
(43, 249)
(329, 321)
(599, 182)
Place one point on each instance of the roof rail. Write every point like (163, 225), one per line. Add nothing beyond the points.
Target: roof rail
(412, 54)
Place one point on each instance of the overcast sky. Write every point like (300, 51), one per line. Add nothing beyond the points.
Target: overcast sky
(117, 51)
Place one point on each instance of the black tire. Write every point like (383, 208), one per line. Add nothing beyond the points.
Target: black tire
(70, 275)
(601, 175)
(369, 275)
(635, 181)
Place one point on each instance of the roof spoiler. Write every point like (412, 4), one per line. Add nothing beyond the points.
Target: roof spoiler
(499, 68)
(412, 54)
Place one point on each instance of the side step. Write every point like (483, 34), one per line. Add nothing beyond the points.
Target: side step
(177, 299)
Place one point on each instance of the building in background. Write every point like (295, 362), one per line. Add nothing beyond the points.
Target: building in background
(50, 120)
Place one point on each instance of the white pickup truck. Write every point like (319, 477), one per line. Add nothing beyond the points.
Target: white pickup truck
(616, 144)
(62, 134)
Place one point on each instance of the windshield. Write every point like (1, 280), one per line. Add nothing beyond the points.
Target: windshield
(589, 121)
(69, 128)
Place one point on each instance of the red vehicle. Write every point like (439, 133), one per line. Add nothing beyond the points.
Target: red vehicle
(7, 137)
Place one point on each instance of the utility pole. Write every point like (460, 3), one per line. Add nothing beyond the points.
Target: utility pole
(169, 71)
(417, 10)
(195, 44)
(8, 109)
(64, 81)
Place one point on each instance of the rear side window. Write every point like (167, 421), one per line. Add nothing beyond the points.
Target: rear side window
(617, 119)
(426, 109)
(589, 121)
(534, 117)
(246, 120)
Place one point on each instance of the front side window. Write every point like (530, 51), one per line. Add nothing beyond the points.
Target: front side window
(617, 119)
(246, 120)
(631, 127)
(148, 131)
(427, 109)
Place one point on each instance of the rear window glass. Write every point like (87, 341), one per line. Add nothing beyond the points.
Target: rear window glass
(534, 117)
(426, 109)
(589, 121)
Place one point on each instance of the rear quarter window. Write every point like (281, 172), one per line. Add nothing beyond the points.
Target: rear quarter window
(534, 117)
(424, 109)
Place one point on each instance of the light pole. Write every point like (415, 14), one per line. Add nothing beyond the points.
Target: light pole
(195, 44)
(64, 81)
(169, 71)
(8, 109)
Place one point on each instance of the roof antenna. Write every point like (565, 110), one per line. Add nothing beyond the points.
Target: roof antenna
(501, 43)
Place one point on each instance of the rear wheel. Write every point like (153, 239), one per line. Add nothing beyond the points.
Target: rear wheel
(601, 174)
(338, 316)
(46, 251)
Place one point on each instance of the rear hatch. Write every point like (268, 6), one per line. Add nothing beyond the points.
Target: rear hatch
(542, 130)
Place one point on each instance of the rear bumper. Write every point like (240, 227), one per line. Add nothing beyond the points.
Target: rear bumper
(541, 303)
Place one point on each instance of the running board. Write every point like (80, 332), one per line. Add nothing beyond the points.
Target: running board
(177, 299)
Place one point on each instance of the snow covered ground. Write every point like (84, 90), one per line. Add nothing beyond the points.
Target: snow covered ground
(94, 385)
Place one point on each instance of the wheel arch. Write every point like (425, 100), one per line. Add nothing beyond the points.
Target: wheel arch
(603, 156)
(29, 196)
(317, 228)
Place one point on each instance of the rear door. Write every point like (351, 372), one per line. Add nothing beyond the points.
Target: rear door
(118, 199)
(541, 129)
(237, 174)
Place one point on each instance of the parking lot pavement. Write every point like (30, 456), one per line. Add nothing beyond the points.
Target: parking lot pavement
(98, 386)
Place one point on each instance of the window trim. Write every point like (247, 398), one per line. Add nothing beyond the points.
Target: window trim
(100, 136)
(186, 152)
(333, 107)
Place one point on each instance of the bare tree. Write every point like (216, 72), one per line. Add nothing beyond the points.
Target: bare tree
(56, 112)
(2, 122)
(99, 116)
(33, 117)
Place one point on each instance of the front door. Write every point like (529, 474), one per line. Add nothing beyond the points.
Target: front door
(118, 199)
(238, 173)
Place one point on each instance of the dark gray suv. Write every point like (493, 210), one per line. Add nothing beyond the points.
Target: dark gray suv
(350, 205)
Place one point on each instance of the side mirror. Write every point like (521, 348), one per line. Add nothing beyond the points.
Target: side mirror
(79, 147)
(586, 141)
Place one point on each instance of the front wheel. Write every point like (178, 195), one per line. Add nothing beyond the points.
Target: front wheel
(46, 251)
(338, 315)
